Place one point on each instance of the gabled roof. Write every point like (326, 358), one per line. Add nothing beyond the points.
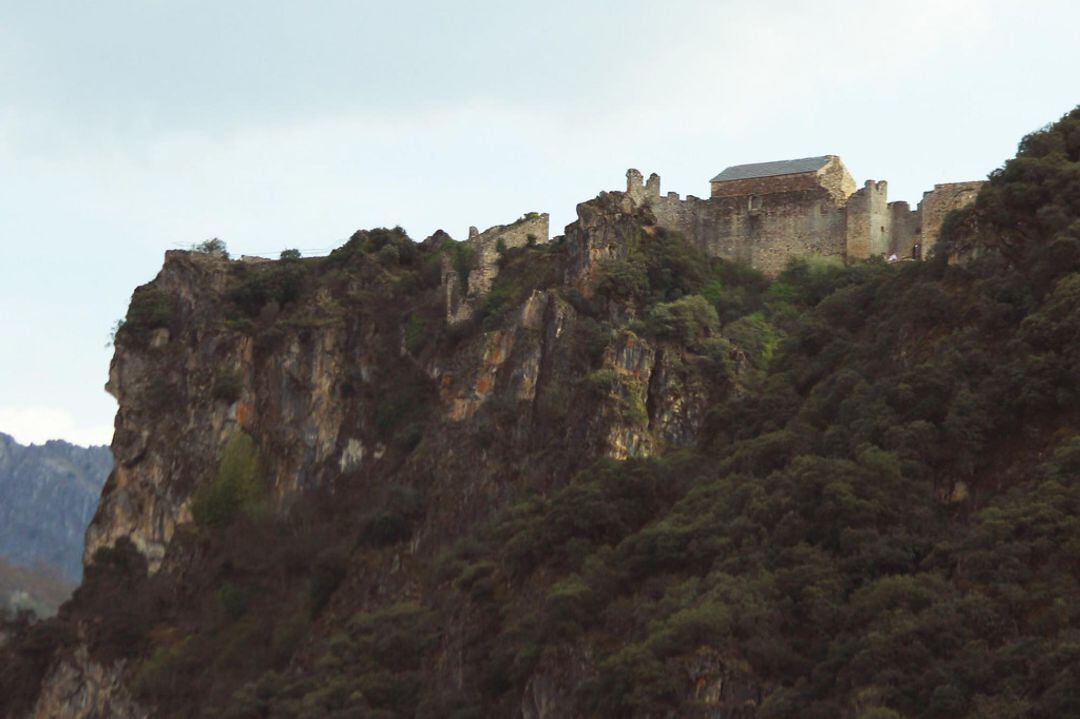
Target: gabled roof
(770, 169)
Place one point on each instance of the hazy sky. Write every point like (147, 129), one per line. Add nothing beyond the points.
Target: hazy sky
(128, 128)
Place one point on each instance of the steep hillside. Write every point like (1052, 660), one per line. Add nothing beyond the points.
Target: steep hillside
(48, 493)
(637, 481)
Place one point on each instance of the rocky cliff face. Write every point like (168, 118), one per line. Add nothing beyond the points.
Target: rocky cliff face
(309, 384)
(48, 493)
(345, 377)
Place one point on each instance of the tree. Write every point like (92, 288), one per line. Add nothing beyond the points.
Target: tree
(213, 246)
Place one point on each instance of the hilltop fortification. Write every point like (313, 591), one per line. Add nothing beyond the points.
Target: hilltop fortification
(762, 214)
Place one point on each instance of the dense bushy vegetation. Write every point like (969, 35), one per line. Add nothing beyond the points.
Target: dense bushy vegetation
(887, 528)
(1030, 209)
(150, 309)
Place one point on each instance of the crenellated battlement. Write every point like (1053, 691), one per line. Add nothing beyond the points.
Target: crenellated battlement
(765, 213)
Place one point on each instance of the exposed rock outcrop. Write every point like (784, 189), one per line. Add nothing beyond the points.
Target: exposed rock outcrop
(345, 376)
(77, 687)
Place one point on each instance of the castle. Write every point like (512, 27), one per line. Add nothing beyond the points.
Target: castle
(762, 214)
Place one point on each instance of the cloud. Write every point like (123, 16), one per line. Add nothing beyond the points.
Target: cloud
(745, 65)
(37, 425)
(131, 70)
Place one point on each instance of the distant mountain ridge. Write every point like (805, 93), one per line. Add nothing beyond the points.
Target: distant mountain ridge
(40, 589)
(48, 494)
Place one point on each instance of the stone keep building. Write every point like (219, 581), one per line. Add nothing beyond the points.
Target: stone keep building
(762, 214)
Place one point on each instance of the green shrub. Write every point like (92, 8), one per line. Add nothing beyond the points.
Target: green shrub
(495, 305)
(464, 260)
(755, 336)
(373, 240)
(630, 682)
(662, 266)
(568, 608)
(675, 267)
(520, 275)
(256, 286)
(688, 319)
(478, 581)
(372, 669)
(720, 352)
(625, 279)
(632, 402)
(389, 255)
(151, 308)
(601, 383)
(212, 246)
(237, 487)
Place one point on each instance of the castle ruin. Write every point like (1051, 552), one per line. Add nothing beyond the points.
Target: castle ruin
(462, 297)
(764, 213)
(761, 215)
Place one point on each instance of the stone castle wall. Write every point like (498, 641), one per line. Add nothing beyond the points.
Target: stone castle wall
(762, 222)
(765, 221)
(868, 226)
(460, 302)
(940, 201)
(762, 230)
(906, 229)
(486, 245)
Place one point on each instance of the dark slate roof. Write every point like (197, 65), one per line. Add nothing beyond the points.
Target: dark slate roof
(769, 169)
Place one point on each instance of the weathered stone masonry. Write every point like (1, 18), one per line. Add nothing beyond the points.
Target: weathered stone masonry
(760, 215)
(532, 228)
(764, 214)
(939, 202)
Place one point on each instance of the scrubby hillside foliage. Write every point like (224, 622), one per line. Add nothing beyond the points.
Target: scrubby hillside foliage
(887, 525)
(1029, 210)
(881, 520)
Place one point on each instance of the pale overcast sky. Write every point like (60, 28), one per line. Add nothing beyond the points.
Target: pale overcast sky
(128, 128)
